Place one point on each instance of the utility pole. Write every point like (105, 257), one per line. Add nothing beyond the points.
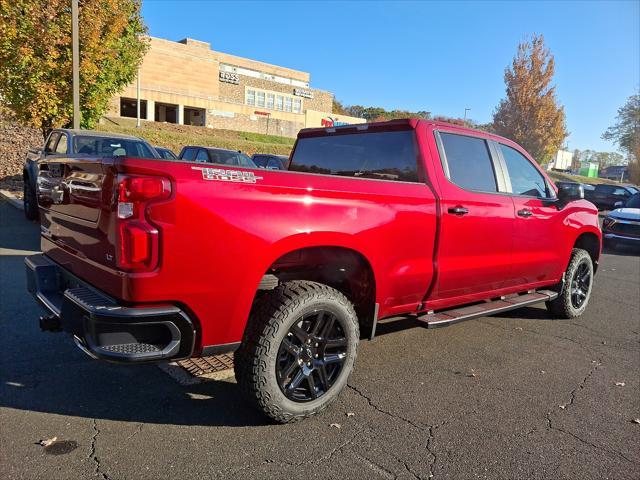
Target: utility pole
(465, 115)
(75, 50)
(138, 102)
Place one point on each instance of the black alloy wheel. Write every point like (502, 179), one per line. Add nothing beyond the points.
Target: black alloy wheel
(574, 292)
(580, 284)
(311, 356)
(298, 350)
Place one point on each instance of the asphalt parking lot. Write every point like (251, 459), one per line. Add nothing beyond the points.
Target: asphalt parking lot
(516, 396)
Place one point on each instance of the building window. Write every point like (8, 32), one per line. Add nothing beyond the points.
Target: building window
(251, 97)
(272, 100)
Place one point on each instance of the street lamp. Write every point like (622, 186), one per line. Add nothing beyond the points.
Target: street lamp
(75, 64)
(465, 115)
(138, 99)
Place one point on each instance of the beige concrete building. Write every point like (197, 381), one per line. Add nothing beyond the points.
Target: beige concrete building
(187, 83)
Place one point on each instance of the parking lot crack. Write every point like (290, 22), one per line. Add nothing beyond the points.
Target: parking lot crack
(227, 473)
(387, 412)
(542, 334)
(551, 426)
(377, 467)
(430, 449)
(582, 384)
(92, 452)
(138, 430)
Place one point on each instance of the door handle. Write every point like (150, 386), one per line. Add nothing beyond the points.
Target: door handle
(524, 213)
(458, 210)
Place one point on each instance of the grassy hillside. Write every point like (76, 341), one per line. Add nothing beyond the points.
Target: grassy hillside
(566, 177)
(177, 136)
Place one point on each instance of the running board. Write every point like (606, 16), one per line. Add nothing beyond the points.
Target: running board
(511, 302)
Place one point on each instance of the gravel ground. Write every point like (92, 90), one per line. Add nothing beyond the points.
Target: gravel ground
(516, 396)
(15, 141)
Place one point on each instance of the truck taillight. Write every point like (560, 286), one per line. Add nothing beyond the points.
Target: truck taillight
(137, 237)
(140, 190)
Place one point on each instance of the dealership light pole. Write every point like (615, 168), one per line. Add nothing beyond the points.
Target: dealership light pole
(465, 115)
(75, 63)
(138, 101)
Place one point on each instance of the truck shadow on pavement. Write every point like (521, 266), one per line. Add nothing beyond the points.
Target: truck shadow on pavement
(141, 394)
(622, 250)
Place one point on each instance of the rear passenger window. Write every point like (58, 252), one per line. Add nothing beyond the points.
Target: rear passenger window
(469, 162)
(377, 155)
(525, 178)
(188, 154)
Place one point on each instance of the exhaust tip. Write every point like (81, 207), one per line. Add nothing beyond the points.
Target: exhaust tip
(50, 323)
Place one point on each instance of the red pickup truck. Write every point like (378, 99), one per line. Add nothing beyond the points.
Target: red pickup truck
(148, 260)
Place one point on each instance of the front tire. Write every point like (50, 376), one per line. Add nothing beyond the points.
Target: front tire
(576, 289)
(29, 201)
(298, 351)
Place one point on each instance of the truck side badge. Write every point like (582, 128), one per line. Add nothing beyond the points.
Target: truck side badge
(220, 174)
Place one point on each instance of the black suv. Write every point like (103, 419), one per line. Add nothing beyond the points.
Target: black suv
(219, 156)
(605, 197)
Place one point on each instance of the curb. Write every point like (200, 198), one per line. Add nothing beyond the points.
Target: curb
(11, 199)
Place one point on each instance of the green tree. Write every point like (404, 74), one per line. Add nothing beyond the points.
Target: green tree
(626, 134)
(531, 115)
(576, 160)
(338, 108)
(35, 58)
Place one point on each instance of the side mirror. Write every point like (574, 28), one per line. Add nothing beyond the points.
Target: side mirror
(618, 205)
(569, 193)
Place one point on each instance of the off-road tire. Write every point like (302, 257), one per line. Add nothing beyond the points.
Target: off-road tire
(562, 306)
(29, 201)
(270, 320)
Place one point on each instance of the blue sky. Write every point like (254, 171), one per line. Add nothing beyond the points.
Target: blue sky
(440, 57)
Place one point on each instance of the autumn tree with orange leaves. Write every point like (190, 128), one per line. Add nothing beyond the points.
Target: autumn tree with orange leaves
(35, 58)
(531, 115)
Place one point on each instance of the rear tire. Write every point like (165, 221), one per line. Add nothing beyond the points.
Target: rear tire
(299, 348)
(576, 290)
(29, 201)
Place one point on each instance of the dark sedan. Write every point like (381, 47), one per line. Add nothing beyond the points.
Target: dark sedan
(166, 153)
(218, 156)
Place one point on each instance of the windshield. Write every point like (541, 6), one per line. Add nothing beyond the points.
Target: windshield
(111, 147)
(224, 157)
(261, 160)
(633, 202)
(166, 154)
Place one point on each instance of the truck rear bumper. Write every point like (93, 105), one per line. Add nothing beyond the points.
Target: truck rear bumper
(101, 326)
